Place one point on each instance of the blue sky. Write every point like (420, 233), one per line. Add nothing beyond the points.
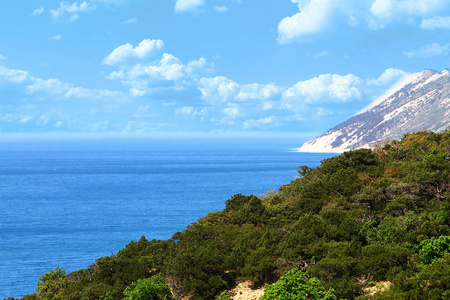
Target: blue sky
(208, 66)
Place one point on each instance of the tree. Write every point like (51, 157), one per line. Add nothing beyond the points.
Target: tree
(154, 288)
(52, 284)
(294, 286)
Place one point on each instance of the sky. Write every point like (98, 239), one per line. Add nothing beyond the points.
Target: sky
(144, 67)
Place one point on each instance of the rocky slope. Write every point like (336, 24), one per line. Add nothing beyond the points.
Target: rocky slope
(420, 101)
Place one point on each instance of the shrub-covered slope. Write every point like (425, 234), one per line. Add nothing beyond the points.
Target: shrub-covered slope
(361, 217)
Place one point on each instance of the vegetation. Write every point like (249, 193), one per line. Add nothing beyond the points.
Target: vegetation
(360, 218)
(295, 286)
(153, 288)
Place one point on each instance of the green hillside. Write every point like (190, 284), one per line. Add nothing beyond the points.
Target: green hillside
(361, 218)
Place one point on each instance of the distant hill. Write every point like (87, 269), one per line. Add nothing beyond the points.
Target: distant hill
(418, 102)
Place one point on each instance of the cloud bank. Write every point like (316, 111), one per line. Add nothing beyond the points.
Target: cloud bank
(315, 16)
(159, 91)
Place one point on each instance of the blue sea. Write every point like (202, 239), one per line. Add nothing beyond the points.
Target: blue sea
(66, 202)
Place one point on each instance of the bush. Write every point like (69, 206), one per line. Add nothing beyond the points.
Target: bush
(294, 286)
(433, 249)
(154, 288)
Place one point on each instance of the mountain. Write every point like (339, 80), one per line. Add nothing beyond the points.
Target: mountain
(418, 102)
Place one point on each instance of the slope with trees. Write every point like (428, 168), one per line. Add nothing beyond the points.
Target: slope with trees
(360, 218)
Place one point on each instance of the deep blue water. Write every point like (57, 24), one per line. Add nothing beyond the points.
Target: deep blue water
(67, 202)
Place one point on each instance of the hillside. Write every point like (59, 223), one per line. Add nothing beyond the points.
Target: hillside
(420, 101)
(363, 221)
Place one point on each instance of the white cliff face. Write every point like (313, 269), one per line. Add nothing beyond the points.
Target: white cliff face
(419, 101)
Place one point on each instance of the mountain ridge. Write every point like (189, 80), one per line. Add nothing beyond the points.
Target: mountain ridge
(418, 102)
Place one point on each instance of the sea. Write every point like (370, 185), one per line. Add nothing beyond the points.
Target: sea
(68, 201)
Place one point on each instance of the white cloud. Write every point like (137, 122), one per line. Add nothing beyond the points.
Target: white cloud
(230, 102)
(388, 8)
(188, 5)
(130, 21)
(326, 87)
(389, 76)
(385, 11)
(38, 11)
(14, 76)
(436, 23)
(232, 110)
(321, 54)
(70, 11)
(185, 110)
(262, 122)
(57, 105)
(382, 8)
(25, 119)
(221, 9)
(189, 111)
(222, 89)
(269, 105)
(2, 57)
(136, 92)
(169, 68)
(53, 86)
(124, 52)
(429, 50)
(194, 66)
(45, 104)
(83, 93)
(143, 111)
(194, 5)
(313, 17)
(218, 89)
(258, 91)
(322, 112)
(56, 37)
(56, 87)
(144, 77)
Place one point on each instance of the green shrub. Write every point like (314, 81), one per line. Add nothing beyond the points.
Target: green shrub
(433, 249)
(295, 286)
(154, 288)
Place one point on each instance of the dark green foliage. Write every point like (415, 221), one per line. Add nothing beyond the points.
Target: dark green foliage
(400, 206)
(338, 268)
(236, 202)
(362, 161)
(253, 211)
(384, 261)
(363, 216)
(306, 231)
(259, 266)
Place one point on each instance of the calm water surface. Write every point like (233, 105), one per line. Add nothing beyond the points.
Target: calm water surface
(67, 202)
